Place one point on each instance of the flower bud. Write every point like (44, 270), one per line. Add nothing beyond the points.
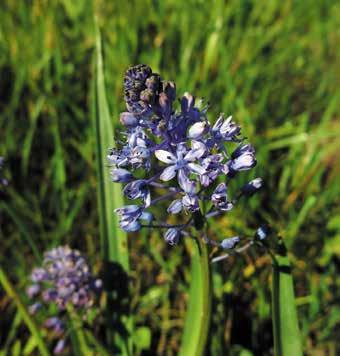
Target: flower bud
(175, 207)
(252, 187)
(197, 130)
(230, 243)
(152, 82)
(169, 88)
(165, 104)
(172, 236)
(262, 232)
(188, 102)
(128, 119)
(121, 175)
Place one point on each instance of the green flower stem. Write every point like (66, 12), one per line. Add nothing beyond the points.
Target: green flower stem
(197, 321)
(287, 340)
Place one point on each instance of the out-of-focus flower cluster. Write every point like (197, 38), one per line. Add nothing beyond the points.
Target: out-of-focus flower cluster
(178, 152)
(65, 280)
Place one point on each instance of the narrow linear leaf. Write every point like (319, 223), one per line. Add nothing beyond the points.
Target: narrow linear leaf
(100, 349)
(9, 289)
(79, 345)
(287, 340)
(23, 229)
(199, 303)
(113, 239)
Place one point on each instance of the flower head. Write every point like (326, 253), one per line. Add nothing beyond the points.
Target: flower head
(64, 279)
(178, 154)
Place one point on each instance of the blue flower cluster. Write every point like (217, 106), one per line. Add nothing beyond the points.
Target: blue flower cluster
(64, 279)
(178, 152)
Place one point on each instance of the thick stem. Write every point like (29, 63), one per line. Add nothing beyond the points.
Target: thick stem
(197, 321)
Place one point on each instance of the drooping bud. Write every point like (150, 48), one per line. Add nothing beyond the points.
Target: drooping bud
(172, 236)
(252, 187)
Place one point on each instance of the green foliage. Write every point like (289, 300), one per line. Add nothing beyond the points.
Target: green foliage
(34, 329)
(197, 321)
(286, 329)
(110, 196)
(271, 64)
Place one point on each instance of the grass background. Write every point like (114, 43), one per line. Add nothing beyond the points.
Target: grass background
(273, 65)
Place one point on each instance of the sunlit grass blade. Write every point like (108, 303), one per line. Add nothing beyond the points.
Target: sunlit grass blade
(113, 239)
(199, 303)
(9, 289)
(287, 341)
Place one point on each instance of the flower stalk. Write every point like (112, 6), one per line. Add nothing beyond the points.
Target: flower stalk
(197, 321)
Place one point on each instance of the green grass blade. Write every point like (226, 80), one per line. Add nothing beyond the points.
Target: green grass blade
(197, 321)
(113, 239)
(77, 334)
(287, 340)
(9, 289)
(100, 349)
(21, 226)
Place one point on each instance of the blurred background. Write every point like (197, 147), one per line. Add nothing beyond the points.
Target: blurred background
(273, 65)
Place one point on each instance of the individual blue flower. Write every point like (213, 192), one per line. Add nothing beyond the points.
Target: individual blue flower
(225, 129)
(243, 158)
(128, 119)
(213, 168)
(262, 233)
(190, 202)
(119, 158)
(130, 217)
(197, 130)
(230, 243)
(121, 175)
(252, 187)
(138, 189)
(220, 198)
(182, 163)
(172, 236)
(175, 207)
